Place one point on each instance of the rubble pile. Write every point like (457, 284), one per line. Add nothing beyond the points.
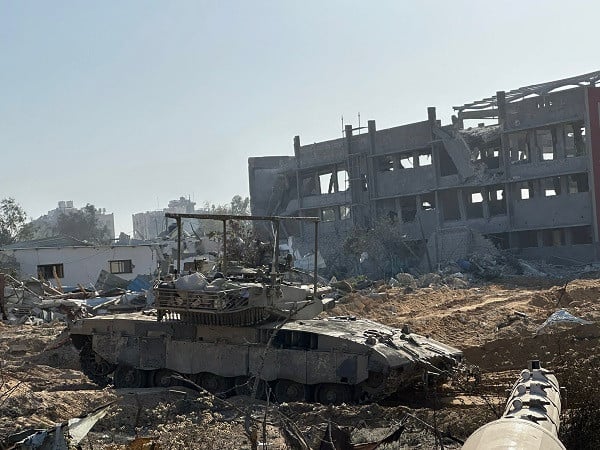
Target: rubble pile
(34, 301)
(499, 324)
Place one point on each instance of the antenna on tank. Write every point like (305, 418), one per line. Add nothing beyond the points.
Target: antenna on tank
(359, 122)
(342, 125)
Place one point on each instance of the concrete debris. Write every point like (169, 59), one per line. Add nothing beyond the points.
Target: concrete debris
(406, 280)
(562, 316)
(61, 437)
(33, 302)
(429, 279)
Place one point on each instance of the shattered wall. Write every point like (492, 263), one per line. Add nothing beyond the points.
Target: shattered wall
(525, 181)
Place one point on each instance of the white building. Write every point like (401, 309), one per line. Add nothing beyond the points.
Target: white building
(150, 224)
(66, 207)
(75, 262)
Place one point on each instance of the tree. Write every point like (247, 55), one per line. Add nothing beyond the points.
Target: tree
(12, 222)
(83, 225)
(240, 206)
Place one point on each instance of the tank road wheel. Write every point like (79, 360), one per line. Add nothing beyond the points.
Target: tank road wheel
(216, 384)
(94, 366)
(289, 391)
(129, 377)
(162, 378)
(333, 394)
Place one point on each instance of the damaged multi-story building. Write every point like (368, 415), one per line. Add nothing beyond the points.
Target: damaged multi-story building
(522, 176)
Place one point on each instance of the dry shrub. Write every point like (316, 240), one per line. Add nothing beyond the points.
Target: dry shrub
(580, 424)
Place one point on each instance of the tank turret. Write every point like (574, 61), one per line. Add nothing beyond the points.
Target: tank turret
(222, 333)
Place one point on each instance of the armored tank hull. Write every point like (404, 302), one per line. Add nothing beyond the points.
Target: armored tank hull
(330, 360)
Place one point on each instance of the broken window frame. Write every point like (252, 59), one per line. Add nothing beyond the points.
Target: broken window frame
(386, 163)
(551, 184)
(519, 151)
(424, 158)
(407, 161)
(578, 147)
(343, 180)
(46, 271)
(496, 200)
(330, 182)
(427, 202)
(525, 186)
(474, 208)
(578, 183)
(117, 266)
(450, 214)
(541, 135)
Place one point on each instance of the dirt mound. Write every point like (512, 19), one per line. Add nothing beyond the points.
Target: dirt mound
(497, 325)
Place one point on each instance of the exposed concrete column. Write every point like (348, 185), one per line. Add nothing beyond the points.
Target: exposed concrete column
(398, 209)
(355, 180)
(438, 210)
(486, 206)
(336, 185)
(505, 150)
(461, 205)
(396, 162)
(558, 135)
(536, 187)
(540, 238)
(297, 147)
(564, 185)
(298, 181)
(372, 192)
(534, 151)
(431, 118)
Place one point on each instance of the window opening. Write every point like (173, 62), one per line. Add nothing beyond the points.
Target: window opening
(344, 212)
(545, 144)
(424, 159)
(327, 183)
(328, 215)
(518, 147)
(385, 164)
(551, 186)
(342, 178)
(578, 183)
(407, 161)
(121, 266)
(46, 271)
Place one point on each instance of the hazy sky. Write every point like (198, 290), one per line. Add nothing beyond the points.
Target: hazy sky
(128, 104)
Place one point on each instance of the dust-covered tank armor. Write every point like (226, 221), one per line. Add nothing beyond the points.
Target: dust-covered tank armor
(265, 329)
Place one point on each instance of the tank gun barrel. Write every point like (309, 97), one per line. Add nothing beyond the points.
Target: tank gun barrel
(531, 419)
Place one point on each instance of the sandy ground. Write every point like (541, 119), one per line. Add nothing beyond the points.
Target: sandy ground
(496, 325)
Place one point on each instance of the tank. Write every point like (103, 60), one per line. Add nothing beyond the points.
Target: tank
(330, 360)
(223, 335)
